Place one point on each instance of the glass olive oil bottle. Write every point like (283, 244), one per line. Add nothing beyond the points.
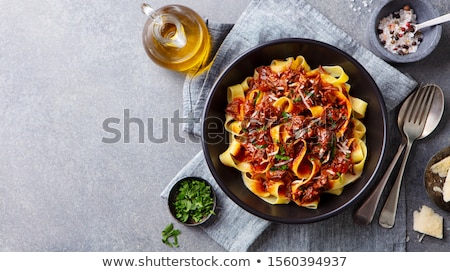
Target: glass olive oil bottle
(176, 37)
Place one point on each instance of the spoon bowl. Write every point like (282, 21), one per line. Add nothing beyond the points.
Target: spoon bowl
(434, 115)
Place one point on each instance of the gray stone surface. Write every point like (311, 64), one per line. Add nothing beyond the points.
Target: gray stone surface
(66, 67)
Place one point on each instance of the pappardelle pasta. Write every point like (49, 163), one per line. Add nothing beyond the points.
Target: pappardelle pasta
(295, 132)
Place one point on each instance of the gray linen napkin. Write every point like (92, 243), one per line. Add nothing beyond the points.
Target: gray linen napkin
(236, 229)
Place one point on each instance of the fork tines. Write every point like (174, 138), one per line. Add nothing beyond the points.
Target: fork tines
(424, 95)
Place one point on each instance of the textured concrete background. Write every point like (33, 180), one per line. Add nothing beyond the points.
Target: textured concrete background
(66, 67)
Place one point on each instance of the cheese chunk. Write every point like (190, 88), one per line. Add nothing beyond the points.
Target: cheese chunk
(441, 167)
(446, 188)
(428, 222)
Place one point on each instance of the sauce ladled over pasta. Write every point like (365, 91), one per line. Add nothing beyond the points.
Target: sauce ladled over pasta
(294, 132)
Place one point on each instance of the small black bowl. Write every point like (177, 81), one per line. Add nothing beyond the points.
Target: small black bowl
(434, 183)
(424, 11)
(215, 137)
(173, 197)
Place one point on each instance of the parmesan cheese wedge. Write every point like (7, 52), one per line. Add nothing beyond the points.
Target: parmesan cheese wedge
(446, 188)
(428, 222)
(441, 167)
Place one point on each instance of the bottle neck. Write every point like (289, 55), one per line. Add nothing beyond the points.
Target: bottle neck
(168, 31)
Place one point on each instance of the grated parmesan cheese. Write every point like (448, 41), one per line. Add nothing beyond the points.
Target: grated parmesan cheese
(428, 222)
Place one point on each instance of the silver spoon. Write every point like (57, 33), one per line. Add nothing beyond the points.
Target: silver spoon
(364, 214)
(432, 22)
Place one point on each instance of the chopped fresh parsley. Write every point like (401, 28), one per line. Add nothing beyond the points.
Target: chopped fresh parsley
(281, 167)
(194, 201)
(340, 176)
(309, 94)
(256, 98)
(281, 157)
(333, 147)
(261, 146)
(298, 99)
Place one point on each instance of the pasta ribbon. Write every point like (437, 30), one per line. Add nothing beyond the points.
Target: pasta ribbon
(343, 99)
(310, 205)
(358, 158)
(255, 96)
(228, 157)
(235, 91)
(316, 111)
(244, 83)
(284, 104)
(255, 185)
(300, 62)
(337, 191)
(301, 167)
(278, 66)
(359, 155)
(234, 127)
(359, 107)
(359, 130)
(279, 134)
(305, 170)
(275, 134)
(275, 193)
(277, 188)
(334, 75)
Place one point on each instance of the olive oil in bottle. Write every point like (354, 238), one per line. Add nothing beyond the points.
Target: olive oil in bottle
(176, 37)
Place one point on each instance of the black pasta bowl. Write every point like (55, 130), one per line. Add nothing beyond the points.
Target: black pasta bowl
(215, 138)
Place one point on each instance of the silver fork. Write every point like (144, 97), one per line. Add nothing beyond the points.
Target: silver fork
(415, 119)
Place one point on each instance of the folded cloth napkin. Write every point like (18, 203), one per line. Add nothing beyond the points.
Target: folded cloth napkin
(234, 228)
